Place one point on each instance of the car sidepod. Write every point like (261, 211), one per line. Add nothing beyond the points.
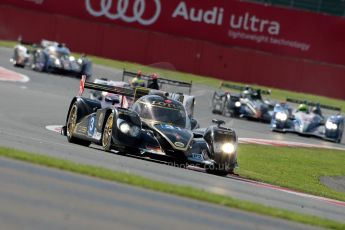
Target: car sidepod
(85, 115)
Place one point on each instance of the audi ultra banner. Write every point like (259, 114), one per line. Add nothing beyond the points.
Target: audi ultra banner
(230, 22)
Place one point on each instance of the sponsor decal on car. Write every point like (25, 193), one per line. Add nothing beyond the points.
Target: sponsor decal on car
(179, 144)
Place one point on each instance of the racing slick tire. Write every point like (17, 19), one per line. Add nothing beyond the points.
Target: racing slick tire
(15, 58)
(71, 123)
(226, 112)
(107, 133)
(341, 130)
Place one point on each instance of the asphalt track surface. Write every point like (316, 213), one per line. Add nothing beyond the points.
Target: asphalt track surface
(26, 108)
(34, 197)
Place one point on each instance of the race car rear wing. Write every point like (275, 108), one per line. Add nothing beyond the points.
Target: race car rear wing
(160, 80)
(27, 43)
(242, 88)
(136, 93)
(110, 89)
(44, 43)
(297, 101)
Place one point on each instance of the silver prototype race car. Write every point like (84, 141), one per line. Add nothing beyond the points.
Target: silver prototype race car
(308, 121)
(50, 56)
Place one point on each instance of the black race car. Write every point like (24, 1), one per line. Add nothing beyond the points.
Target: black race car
(50, 56)
(163, 83)
(178, 89)
(247, 104)
(155, 126)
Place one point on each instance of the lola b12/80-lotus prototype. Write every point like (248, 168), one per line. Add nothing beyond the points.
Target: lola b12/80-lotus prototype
(155, 125)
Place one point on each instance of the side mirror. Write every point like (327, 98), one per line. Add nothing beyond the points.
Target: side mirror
(218, 122)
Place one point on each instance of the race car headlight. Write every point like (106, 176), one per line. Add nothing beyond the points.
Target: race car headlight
(57, 62)
(237, 104)
(281, 116)
(128, 129)
(228, 148)
(331, 125)
(124, 127)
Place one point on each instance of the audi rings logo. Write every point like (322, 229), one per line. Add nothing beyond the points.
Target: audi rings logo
(122, 11)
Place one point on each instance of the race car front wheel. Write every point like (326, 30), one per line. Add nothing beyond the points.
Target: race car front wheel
(107, 133)
(71, 124)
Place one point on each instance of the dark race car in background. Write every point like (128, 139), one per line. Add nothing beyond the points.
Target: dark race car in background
(246, 104)
(308, 122)
(178, 90)
(50, 56)
(106, 98)
(118, 100)
(164, 83)
(154, 126)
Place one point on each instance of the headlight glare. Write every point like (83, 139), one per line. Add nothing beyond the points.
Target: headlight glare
(124, 127)
(128, 129)
(281, 116)
(331, 125)
(237, 104)
(57, 62)
(228, 148)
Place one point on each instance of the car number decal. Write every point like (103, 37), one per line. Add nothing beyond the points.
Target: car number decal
(197, 156)
(91, 127)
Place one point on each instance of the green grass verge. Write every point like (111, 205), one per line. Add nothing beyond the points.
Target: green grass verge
(277, 94)
(7, 44)
(296, 168)
(179, 190)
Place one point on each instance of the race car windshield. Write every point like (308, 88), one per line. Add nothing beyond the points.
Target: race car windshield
(161, 112)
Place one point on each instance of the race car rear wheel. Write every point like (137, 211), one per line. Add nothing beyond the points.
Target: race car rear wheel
(226, 111)
(107, 133)
(71, 124)
(341, 130)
